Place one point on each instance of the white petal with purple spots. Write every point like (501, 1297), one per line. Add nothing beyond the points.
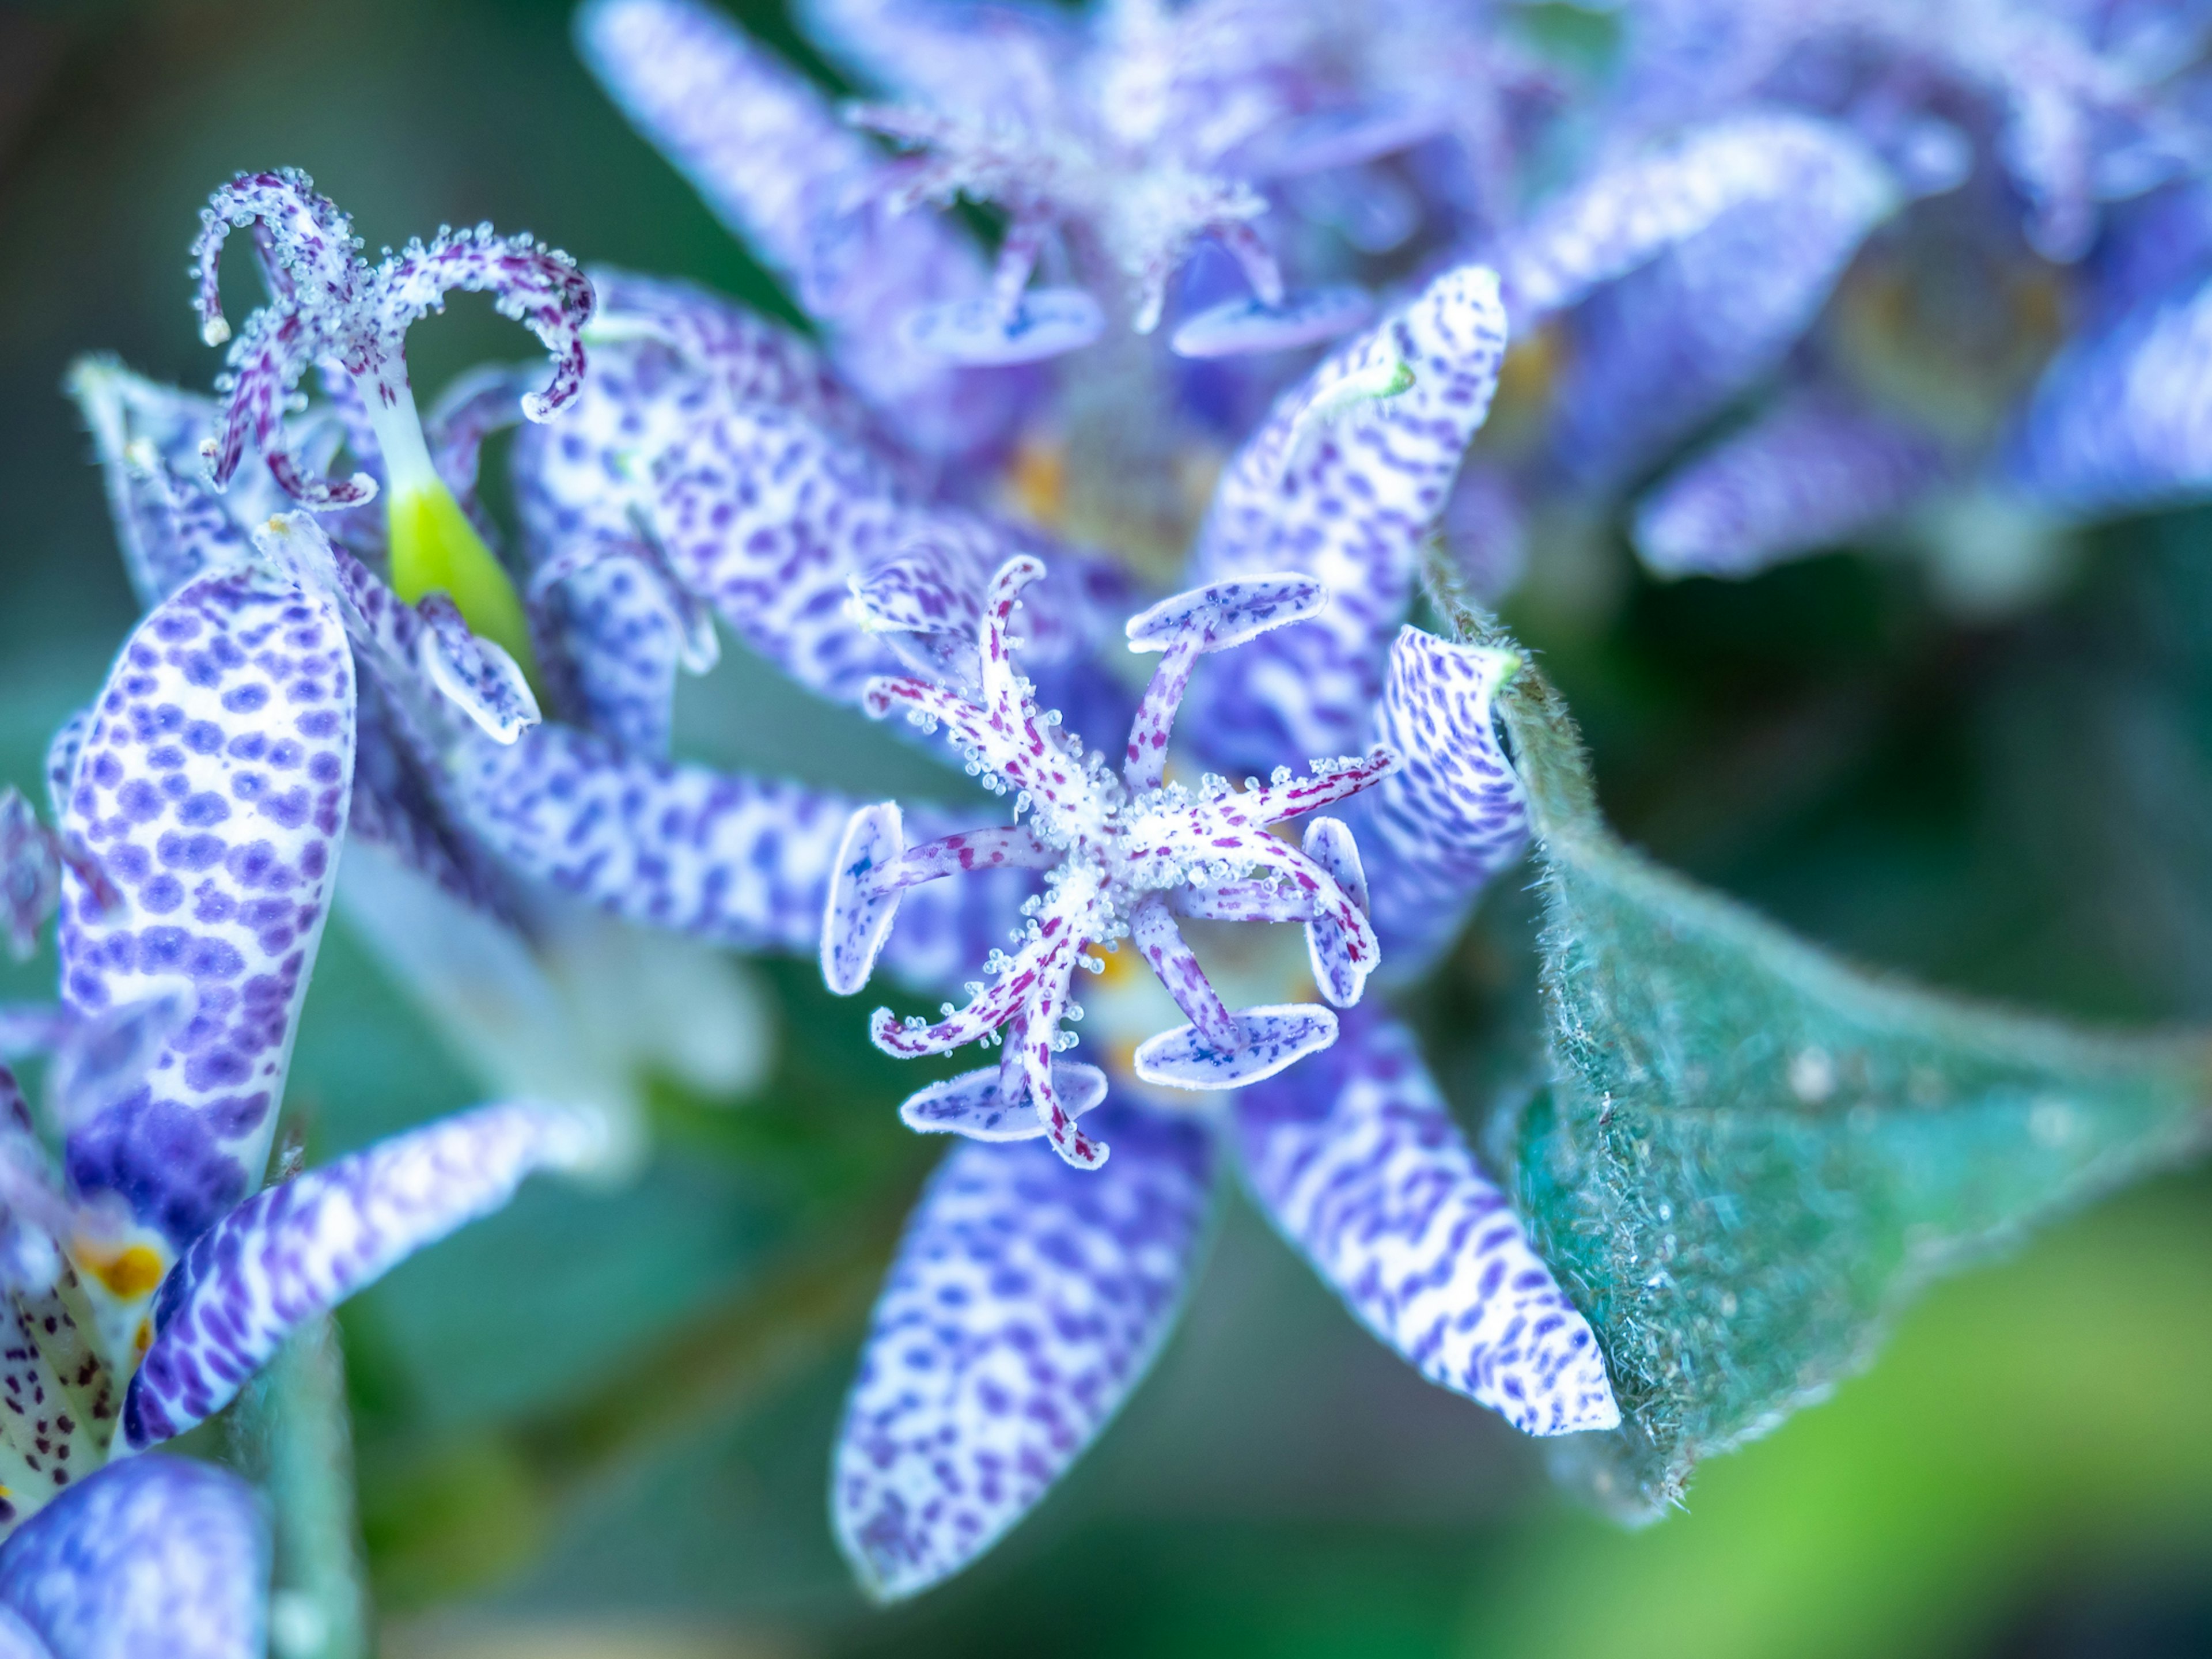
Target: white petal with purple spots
(157, 1558)
(1027, 1300)
(1453, 815)
(1358, 1162)
(213, 790)
(302, 1246)
(1347, 502)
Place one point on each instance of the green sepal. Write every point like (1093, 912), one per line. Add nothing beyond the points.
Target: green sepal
(1748, 1154)
(435, 549)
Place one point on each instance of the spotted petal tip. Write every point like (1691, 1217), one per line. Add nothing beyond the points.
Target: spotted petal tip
(858, 918)
(1047, 322)
(1222, 615)
(1274, 1036)
(973, 1105)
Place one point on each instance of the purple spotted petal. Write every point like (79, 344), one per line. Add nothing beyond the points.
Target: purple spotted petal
(213, 789)
(1274, 1037)
(1344, 494)
(102, 1058)
(800, 188)
(61, 751)
(973, 1105)
(1028, 1299)
(1810, 474)
(18, 1640)
(1655, 354)
(303, 1246)
(769, 518)
(1046, 322)
(154, 1558)
(748, 358)
(1628, 214)
(2124, 420)
(1435, 831)
(171, 526)
(1360, 1167)
(733, 859)
(1236, 327)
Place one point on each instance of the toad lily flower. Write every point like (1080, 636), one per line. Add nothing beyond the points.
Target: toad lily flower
(1030, 1294)
(1123, 854)
(328, 304)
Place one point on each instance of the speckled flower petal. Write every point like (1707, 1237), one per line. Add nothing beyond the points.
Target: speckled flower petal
(734, 860)
(303, 1246)
(1358, 1162)
(800, 188)
(1810, 474)
(1028, 1299)
(213, 789)
(2124, 420)
(171, 526)
(1274, 1037)
(155, 1558)
(1435, 831)
(973, 1106)
(1627, 214)
(769, 518)
(1655, 354)
(1341, 486)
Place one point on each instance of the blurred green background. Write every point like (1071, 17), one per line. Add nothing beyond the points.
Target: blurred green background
(598, 1424)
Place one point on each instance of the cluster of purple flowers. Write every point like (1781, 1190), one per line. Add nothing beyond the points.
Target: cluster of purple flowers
(1775, 277)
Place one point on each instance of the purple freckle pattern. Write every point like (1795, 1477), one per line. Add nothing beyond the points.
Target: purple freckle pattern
(1453, 815)
(302, 1246)
(1358, 1164)
(157, 1555)
(1348, 504)
(1808, 474)
(730, 859)
(1027, 1300)
(58, 1398)
(213, 790)
(798, 185)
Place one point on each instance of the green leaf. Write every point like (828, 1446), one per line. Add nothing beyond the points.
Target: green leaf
(1746, 1154)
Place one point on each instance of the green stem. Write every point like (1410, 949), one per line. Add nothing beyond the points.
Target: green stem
(294, 1434)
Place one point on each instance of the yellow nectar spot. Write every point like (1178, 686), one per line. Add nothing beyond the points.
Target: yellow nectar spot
(130, 1273)
(143, 1338)
(435, 549)
(1035, 481)
(1120, 969)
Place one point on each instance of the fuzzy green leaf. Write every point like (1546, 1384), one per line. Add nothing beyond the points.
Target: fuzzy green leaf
(1748, 1154)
